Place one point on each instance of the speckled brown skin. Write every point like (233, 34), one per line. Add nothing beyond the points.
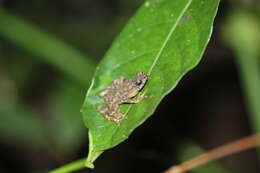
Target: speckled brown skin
(122, 91)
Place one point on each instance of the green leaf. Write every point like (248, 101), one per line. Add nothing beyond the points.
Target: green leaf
(165, 39)
(46, 47)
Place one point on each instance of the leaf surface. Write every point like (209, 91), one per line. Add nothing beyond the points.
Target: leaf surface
(165, 39)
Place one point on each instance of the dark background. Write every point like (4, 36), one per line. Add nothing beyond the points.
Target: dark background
(206, 109)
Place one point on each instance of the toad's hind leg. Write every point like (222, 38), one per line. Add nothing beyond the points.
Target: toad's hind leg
(110, 114)
(103, 110)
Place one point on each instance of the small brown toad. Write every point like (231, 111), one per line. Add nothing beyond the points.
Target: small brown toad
(122, 91)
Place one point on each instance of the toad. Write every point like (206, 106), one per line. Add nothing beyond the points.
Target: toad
(121, 91)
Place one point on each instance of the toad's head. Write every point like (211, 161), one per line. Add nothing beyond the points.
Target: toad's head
(140, 80)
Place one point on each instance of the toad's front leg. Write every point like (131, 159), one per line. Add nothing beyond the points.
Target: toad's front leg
(137, 99)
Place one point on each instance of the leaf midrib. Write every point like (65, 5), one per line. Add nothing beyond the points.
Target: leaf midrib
(159, 54)
(168, 37)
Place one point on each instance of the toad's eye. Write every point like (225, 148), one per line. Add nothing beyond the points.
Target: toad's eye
(138, 82)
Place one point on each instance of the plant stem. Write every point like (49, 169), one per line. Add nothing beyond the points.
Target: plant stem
(249, 74)
(217, 153)
(73, 166)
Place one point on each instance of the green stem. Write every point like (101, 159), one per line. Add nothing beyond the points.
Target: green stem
(73, 166)
(46, 47)
(249, 72)
(243, 36)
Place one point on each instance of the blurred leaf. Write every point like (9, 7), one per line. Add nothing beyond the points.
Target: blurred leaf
(66, 125)
(20, 124)
(164, 39)
(17, 123)
(46, 47)
(21, 69)
(242, 32)
(8, 95)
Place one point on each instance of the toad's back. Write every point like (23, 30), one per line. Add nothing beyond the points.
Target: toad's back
(118, 91)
